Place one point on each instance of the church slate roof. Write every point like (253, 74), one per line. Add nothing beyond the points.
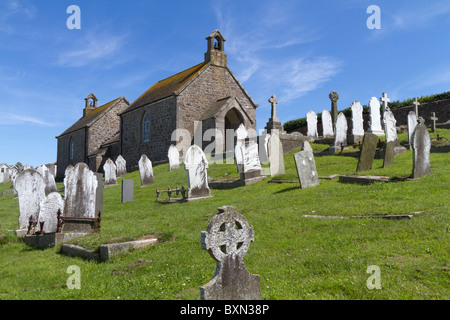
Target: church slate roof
(87, 120)
(166, 87)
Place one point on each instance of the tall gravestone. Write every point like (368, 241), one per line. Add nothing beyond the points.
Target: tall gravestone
(421, 150)
(340, 138)
(276, 156)
(121, 166)
(174, 158)
(334, 97)
(375, 117)
(145, 171)
(196, 165)
(412, 123)
(48, 210)
(127, 190)
(109, 169)
(30, 186)
(227, 240)
(367, 153)
(49, 179)
(357, 122)
(327, 124)
(241, 135)
(80, 187)
(391, 137)
(311, 120)
(306, 167)
(251, 166)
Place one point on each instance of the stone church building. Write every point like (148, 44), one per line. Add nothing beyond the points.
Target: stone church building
(206, 93)
(207, 96)
(93, 138)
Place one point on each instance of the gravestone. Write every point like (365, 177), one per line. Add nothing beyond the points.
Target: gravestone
(99, 192)
(276, 156)
(311, 119)
(146, 171)
(241, 135)
(306, 168)
(327, 124)
(121, 166)
(375, 121)
(389, 152)
(274, 122)
(385, 100)
(433, 119)
(80, 187)
(109, 169)
(421, 150)
(48, 209)
(334, 97)
(127, 190)
(416, 104)
(174, 158)
(227, 240)
(196, 164)
(49, 179)
(340, 138)
(367, 153)
(30, 186)
(252, 170)
(390, 128)
(306, 146)
(357, 122)
(412, 123)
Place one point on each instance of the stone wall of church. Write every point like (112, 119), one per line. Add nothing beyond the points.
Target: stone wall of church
(162, 123)
(212, 84)
(63, 154)
(106, 126)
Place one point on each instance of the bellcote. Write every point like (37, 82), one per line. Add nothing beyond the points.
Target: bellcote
(91, 104)
(215, 53)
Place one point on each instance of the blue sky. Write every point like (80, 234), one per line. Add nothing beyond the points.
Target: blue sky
(297, 50)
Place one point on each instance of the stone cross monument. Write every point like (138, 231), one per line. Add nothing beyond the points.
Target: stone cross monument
(433, 119)
(227, 240)
(416, 106)
(334, 97)
(274, 122)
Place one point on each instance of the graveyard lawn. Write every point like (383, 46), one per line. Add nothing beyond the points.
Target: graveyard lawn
(296, 257)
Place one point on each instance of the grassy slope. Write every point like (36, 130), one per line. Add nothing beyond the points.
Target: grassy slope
(296, 257)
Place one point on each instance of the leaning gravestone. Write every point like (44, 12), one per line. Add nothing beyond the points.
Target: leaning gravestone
(367, 153)
(121, 166)
(146, 171)
(340, 138)
(127, 190)
(375, 117)
(227, 239)
(48, 209)
(80, 187)
(327, 124)
(311, 120)
(174, 158)
(30, 186)
(109, 168)
(357, 122)
(421, 150)
(412, 123)
(306, 168)
(49, 179)
(196, 164)
(276, 156)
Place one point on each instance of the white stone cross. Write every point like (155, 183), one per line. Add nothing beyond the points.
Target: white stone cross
(416, 105)
(385, 101)
(433, 118)
(274, 101)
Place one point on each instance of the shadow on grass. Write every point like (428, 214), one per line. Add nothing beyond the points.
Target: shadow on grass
(288, 189)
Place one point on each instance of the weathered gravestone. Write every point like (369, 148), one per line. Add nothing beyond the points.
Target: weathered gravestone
(340, 138)
(252, 171)
(227, 239)
(306, 167)
(367, 153)
(311, 120)
(276, 156)
(357, 122)
(127, 190)
(412, 123)
(334, 97)
(375, 117)
(327, 124)
(146, 171)
(30, 186)
(174, 158)
(196, 164)
(241, 135)
(80, 185)
(49, 179)
(421, 150)
(48, 210)
(121, 166)
(109, 168)
(433, 119)
(391, 138)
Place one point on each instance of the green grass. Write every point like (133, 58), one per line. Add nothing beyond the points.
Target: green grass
(296, 257)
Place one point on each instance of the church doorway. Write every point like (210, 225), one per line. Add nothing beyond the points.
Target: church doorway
(233, 120)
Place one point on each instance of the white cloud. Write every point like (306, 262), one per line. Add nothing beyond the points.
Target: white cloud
(15, 119)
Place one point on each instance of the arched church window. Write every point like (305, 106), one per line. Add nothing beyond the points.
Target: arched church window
(146, 128)
(71, 147)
